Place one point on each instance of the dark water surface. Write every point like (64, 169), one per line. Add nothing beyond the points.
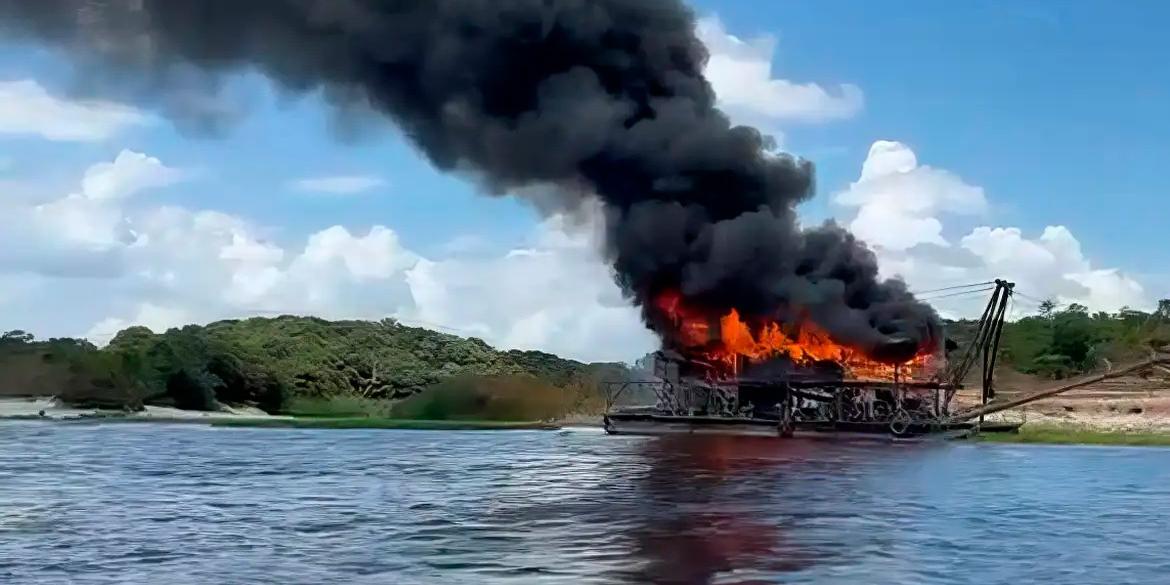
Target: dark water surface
(173, 504)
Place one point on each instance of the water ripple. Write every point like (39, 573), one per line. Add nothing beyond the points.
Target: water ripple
(152, 504)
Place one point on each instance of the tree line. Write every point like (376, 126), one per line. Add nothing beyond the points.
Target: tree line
(270, 362)
(1062, 342)
(265, 362)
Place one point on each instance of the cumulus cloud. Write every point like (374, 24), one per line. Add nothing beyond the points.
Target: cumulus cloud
(899, 202)
(163, 266)
(81, 234)
(339, 184)
(556, 295)
(91, 218)
(129, 173)
(153, 317)
(370, 257)
(899, 209)
(189, 266)
(741, 73)
(29, 109)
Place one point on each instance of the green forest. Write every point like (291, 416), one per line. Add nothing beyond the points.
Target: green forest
(277, 364)
(1067, 342)
(304, 365)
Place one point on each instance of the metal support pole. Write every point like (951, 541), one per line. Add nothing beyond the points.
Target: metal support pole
(991, 345)
(786, 424)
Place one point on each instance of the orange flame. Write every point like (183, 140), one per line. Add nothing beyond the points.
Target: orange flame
(730, 339)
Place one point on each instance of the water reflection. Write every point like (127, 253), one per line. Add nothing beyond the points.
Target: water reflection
(696, 522)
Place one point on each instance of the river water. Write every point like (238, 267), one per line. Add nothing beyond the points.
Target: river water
(179, 504)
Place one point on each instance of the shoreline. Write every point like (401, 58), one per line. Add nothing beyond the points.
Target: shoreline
(1029, 434)
(1052, 428)
(386, 423)
(1079, 421)
(340, 423)
(1073, 434)
(48, 410)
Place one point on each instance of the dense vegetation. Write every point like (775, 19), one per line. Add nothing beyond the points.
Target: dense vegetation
(275, 364)
(1062, 343)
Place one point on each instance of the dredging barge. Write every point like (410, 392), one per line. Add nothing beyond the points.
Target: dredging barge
(794, 408)
(809, 402)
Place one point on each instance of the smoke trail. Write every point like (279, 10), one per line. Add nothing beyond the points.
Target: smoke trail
(604, 97)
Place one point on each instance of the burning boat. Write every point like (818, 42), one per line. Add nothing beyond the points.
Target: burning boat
(726, 376)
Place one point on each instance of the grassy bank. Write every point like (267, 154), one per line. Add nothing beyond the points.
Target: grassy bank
(461, 403)
(1076, 435)
(340, 407)
(383, 423)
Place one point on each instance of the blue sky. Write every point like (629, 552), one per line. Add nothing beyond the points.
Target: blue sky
(1058, 109)
(1037, 116)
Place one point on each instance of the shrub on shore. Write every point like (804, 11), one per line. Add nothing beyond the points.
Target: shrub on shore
(343, 406)
(484, 398)
(500, 398)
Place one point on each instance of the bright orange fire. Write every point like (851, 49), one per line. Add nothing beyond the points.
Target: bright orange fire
(733, 340)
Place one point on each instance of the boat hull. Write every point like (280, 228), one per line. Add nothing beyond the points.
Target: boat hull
(676, 425)
(666, 424)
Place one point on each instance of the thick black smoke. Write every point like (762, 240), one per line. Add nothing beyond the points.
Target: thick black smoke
(597, 96)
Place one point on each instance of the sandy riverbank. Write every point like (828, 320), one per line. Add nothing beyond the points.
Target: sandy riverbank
(49, 408)
(1140, 415)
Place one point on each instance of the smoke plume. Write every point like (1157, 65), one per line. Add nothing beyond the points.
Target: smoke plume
(598, 97)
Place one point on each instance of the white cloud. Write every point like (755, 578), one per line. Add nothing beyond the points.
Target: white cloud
(83, 233)
(244, 250)
(338, 185)
(899, 201)
(557, 295)
(1053, 265)
(741, 73)
(164, 266)
(900, 206)
(84, 222)
(210, 265)
(92, 218)
(465, 244)
(154, 317)
(129, 173)
(377, 255)
(31, 110)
